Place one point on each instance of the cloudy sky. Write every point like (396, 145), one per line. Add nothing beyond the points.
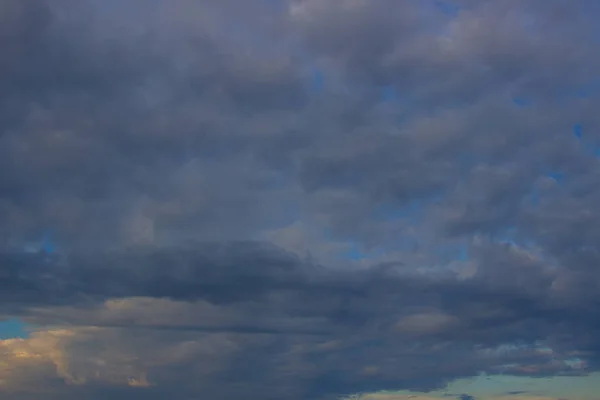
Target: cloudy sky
(299, 199)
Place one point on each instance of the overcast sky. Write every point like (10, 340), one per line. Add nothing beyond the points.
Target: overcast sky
(299, 199)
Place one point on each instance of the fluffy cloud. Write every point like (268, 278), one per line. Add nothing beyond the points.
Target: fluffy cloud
(296, 198)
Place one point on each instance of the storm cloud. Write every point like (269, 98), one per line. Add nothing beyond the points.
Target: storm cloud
(300, 199)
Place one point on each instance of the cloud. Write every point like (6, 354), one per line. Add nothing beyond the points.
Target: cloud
(210, 171)
(300, 322)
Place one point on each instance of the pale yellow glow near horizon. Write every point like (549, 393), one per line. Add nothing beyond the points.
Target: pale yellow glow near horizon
(497, 387)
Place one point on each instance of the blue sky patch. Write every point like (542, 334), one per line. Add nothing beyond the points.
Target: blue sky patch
(318, 80)
(534, 198)
(354, 253)
(463, 254)
(13, 328)
(591, 148)
(48, 245)
(508, 235)
(447, 8)
(557, 176)
(578, 131)
(589, 90)
(521, 102)
(388, 94)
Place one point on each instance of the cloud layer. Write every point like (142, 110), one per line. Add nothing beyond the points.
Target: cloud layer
(296, 198)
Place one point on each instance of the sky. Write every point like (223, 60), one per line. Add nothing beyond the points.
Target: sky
(299, 199)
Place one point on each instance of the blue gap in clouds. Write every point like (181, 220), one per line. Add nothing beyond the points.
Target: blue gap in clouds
(463, 253)
(590, 148)
(317, 80)
(48, 245)
(588, 90)
(508, 236)
(534, 199)
(521, 102)
(354, 253)
(13, 328)
(402, 104)
(389, 94)
(534, 194)
(559, 177)
(578, 131)
(447, 8)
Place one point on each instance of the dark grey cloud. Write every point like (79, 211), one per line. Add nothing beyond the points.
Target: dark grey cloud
(327, 331)
(236, 164)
